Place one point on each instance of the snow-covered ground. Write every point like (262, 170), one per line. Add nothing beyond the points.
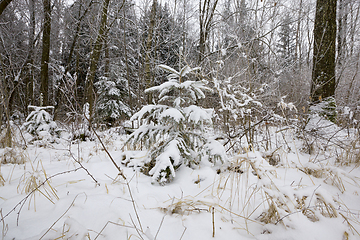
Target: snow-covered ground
(300, 197)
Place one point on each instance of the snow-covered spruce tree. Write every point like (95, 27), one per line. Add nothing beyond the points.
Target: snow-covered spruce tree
(174, 130)
(40, 124)
(325, 108)
(110, 106)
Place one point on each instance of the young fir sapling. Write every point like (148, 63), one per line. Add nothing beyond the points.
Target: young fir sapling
(110, 107)
(40, 123)
(174, 129)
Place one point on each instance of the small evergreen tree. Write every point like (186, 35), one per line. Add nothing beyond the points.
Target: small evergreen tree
(173, 129)
(325, 108)
(40, 124)
(286, 45)
(110, 106)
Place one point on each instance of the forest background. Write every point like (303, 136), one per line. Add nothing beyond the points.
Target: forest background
(105, 53)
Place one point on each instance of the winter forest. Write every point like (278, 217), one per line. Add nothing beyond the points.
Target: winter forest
(178, 119)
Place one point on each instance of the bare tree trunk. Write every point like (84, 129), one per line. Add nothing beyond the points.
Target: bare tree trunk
(29, 80)
(106, 57)
(3, 5)
(352, 81)
(298, 52)
(149, 43)
(341, 36)
(206, 14)
(7, 142)
(59, 95)
(323, 73)
(44, 74)
(90, 91)
(76, 35)
(126, 61)
(354, 20)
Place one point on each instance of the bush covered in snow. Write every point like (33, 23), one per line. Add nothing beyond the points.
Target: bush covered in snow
(40, 124)
(175, 129)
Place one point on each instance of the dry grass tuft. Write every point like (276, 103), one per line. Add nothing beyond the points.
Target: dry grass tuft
(2, 180)
(315, 172)
(37, 181)
(331, 175)
(350, 154)
(326, 209)
(271, 215)
(309, 213)
(253, 190)
(13, 156)
(70, 230)
(334, 179)
(186, 206)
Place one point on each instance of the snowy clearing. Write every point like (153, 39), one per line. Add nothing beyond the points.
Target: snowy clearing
(302, 196)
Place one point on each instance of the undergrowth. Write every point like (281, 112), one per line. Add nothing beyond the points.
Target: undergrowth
(251, 187)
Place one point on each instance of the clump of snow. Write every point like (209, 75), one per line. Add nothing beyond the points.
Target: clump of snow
(164, 169)
(197, 114)
(173, 113)
(215, 151)
(285, 105)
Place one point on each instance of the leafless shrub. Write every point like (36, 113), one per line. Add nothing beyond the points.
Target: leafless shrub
(12, 155)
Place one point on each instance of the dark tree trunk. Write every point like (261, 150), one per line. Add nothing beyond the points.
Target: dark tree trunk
(126, 60)
(29, 79)
(95, 56)
(323, 73)
(90, 91)
(206, 14)
(3, 5)
(149, 44)
(44, 74)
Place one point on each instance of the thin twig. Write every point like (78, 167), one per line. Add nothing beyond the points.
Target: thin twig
(161, 223)
(82, 167)
(107, 152)
(4, 228)
(313, 194)
(120, 172)
(162, 220)
(108, 222)
(60, 217)
(21, 135)
(213, 220)
(137, 230)
(185, 228)
(239, 135)
(289, 215)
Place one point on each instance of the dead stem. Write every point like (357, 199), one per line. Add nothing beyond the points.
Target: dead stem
(72, 203)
